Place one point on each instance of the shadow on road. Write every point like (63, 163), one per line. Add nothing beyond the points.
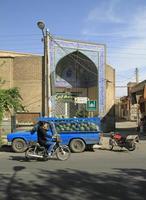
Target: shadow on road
(9, 187)
(115, 150)
(22, 158)
(5, 148)
(125, 184)
(18, 158)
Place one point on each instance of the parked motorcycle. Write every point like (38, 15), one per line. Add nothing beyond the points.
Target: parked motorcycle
(128, 142)
(35, 151)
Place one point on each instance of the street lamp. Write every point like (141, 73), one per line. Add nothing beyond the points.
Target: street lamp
(41, 25)
(45, 97)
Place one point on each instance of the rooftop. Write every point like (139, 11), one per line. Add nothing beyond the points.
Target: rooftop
(13, 54)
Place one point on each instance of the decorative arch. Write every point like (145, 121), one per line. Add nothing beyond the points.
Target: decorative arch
(58, 48)
(76, 70)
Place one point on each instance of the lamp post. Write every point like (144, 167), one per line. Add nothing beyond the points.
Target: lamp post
(45, 77)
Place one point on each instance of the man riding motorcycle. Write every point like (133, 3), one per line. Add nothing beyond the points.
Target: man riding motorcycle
(45, 137)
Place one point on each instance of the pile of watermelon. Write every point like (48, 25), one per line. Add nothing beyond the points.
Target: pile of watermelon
(82, 126)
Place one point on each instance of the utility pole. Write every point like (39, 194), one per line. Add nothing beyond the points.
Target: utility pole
(46, 89)
(48, 37)
(137, 81)
(45, 66)
(137, 75)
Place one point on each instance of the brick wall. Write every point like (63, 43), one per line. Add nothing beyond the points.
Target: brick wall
(6, 72)
(27, 76)
(110, 87)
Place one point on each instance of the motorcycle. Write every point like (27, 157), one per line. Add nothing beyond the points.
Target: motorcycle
(35, 151)
(129, 142)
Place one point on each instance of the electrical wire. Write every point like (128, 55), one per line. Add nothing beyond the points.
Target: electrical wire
(39, 35)
(128, 54)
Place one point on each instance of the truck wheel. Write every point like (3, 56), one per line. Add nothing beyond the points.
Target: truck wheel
(19, 145)
(77, 145)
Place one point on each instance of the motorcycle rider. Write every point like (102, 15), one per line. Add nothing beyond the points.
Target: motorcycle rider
(45, 138)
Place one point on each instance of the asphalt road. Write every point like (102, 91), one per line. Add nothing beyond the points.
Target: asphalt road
(99, 175)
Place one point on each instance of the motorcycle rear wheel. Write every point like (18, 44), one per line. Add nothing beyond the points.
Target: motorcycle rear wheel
(131, 146)
(63, 153)
(29, 152)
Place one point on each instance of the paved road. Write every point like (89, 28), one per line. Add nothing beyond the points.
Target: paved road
(99, 175)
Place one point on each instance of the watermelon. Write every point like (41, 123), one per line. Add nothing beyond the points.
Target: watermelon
(87, 128)
(76, 126)
(73, 127)
(82, 128)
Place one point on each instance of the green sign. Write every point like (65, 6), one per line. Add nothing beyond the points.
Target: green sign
(64, 97)
(91, 105)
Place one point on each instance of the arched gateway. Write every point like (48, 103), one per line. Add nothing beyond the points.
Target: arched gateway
(77, 75)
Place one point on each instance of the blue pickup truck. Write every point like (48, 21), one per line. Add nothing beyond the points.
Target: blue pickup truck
(78, 133)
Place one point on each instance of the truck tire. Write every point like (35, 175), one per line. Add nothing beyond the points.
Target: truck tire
(19, 145)
(77, 145)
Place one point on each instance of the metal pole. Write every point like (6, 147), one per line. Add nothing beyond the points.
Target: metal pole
(49, 72)
(46, 113)
(45, 96)
(43, 81)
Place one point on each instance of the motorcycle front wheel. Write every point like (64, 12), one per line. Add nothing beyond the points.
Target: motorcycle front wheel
(63, 153)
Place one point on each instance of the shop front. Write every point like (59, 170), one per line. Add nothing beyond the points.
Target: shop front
(138, 96)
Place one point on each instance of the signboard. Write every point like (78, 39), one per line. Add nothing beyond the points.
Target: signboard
(91, 105)
(64, 97)
(81, 100)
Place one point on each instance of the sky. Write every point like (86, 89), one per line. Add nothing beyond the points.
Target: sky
(120, 24)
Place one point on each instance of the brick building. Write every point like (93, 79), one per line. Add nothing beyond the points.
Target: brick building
(25, 72)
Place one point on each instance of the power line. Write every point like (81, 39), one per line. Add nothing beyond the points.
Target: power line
(126, 57)
(128, 78)
(19, 35)
(126, 48)
(32, 35)
(121, 86)
(35, 39)
(128, 54)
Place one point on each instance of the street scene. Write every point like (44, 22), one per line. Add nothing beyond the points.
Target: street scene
(73, 100)
(102, 173)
